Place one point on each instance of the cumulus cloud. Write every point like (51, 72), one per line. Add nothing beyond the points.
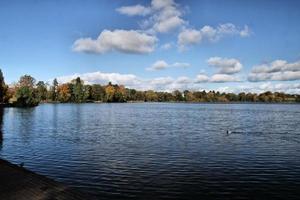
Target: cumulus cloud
(165, 15)
(221, 78)
(290, 88)
(168, 83)
(207, 33)
(132, 81)
(159, 4)
(161, 16)
(278, 70)
(189, 36)
(202, 78)
(131, 41)
(216, 78)
(134, 10)
(102, 78)
(161, 64)
(158, 65)
(225, 65)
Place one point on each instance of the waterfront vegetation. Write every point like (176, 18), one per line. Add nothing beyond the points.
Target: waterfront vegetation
(27, 93)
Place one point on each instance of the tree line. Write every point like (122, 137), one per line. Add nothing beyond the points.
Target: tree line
(28, 92)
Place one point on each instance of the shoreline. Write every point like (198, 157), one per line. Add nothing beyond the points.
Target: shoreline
(20, 183)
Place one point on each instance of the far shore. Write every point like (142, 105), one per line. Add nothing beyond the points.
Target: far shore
(154, 102)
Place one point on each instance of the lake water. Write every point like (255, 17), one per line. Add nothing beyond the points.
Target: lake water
(161, 150)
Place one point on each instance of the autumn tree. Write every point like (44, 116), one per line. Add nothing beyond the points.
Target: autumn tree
(64, 93)
(110, 92)
(25, 94)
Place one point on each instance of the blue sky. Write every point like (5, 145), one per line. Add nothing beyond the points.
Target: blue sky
(228, 45)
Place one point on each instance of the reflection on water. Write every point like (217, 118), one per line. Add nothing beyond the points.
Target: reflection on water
(1, 124)
(161, 151)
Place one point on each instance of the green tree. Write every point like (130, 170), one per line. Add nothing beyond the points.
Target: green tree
(3, 88)
(298, 98)
(41, 91)
(87, 90)
(151, 95)
(178, 95)
(54, 90)
(98, 93)
(25, 94)
(78, 90)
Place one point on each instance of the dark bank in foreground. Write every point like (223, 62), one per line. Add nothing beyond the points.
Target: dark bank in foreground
(18, 183)
(27, 93)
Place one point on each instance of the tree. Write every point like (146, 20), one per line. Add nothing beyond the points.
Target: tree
(53, 92)
(27, 81)
(110, 92)
(78, 91)
(98, 93)
(131, 95)
(3, 88)
(64, 93)
(150, 95)
(87, 93)
(178, 95)
(120, 93)
(297, 98)
(41, 91)
(25, 94)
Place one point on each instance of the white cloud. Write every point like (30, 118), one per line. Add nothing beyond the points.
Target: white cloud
(245, 32)
(134, 10)
(207, 33)
(221, 78)
(161, 64)
(124, 41)
(202, 78)
(289, 88)
(161, 16)
(166, 46)
(188, 37)
(225, 65)
(165, 16)
(216, 78)
(158, 65)
(180, 64)
(159, 4)
(278, 70)
(168, 83)
(131, 81)
(184, 80)
(167, 24)
(102, 78)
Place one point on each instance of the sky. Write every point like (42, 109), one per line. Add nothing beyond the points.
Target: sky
(228, 46)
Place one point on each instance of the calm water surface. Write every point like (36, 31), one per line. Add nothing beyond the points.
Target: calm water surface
(161, 151)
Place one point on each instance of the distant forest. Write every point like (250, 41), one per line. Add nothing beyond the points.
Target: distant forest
(27, 92)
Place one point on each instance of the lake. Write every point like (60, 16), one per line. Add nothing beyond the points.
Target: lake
(160, 150)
